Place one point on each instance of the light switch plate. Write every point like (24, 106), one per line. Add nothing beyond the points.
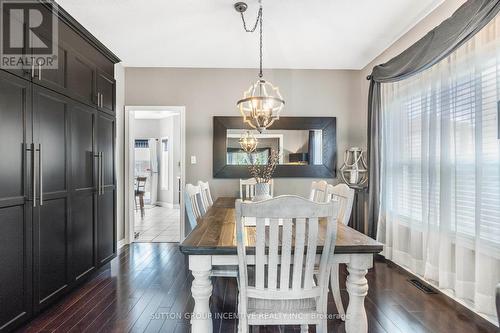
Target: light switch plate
(193, 159)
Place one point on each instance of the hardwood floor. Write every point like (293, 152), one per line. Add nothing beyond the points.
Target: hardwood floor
(147, 289)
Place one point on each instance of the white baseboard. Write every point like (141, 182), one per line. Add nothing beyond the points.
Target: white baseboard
(121, 243)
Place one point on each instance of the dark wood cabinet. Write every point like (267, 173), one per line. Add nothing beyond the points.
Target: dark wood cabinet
(106, 92)
(15, 219)
(50, 212)
(83, 190)
(106, 220)
(15, 67)
(57, 172)
(81, 76)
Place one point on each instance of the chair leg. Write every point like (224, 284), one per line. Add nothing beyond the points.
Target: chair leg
(304, 328)
(141, 203)
(335, 286)
(323, 326)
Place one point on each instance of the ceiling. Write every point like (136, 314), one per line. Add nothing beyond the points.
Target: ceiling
(309, 34)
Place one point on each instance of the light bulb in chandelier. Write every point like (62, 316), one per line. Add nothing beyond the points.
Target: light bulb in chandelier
(248, 142)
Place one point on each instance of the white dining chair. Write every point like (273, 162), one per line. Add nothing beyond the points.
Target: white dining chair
(278, 287)
(247, 188)
(320, 191)
(189, 211)
(195, 209)
(206, 195)
(194, 193)
(323, 192)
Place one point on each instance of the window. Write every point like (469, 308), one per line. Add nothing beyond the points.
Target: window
(164, 164)
(441, 152)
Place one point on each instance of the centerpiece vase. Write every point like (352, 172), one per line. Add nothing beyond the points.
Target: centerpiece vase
(262, 192)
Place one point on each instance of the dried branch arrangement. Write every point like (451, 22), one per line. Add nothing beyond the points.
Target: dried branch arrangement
(263, 173)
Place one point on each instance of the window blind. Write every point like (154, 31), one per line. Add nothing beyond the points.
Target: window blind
(441, 138)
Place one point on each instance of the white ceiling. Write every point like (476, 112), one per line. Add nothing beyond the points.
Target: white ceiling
(323, 34)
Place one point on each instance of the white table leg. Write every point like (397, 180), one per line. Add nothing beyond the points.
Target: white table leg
(357, 287)
(201, 290)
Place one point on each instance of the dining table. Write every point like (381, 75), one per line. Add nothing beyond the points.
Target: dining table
(212, 243)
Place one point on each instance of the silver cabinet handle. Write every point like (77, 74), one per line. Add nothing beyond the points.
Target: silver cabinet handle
(33, 173)
(40, 172)
(32, 69)
(101, 100)
(102, 174)
(39, 72)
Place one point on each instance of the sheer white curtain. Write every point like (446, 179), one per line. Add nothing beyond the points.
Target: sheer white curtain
(440, 178)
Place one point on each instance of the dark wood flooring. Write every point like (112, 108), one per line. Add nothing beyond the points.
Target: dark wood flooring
(147, 289)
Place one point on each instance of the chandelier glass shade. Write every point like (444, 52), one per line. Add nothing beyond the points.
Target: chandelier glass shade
(248, 142)
(261, 105)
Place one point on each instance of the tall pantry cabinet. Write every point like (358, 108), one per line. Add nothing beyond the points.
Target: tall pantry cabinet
(57, 173)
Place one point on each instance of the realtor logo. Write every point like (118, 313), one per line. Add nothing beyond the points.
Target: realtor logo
(29, 34)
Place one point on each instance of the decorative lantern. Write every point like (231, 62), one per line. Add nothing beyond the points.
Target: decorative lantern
(354, 171)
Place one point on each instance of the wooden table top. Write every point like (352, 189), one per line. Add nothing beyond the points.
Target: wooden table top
(215, 234)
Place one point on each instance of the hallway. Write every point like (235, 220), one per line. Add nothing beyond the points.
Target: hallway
(159, 224)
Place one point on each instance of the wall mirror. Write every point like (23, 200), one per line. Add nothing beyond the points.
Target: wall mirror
(307, 147)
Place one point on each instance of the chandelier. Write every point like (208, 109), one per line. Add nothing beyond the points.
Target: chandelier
(262, 103)
(248, 142)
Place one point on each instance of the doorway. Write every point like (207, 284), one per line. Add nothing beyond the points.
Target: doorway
(155, 173)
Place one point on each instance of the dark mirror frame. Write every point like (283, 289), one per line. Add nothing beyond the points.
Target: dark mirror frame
(328, 125)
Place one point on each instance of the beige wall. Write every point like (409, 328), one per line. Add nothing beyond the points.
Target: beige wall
(213, 92)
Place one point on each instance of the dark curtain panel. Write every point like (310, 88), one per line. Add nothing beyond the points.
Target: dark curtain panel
(436, 45)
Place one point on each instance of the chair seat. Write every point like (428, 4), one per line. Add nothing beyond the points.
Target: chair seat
(288, 306)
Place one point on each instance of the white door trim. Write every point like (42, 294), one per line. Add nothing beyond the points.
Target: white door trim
(129, 164)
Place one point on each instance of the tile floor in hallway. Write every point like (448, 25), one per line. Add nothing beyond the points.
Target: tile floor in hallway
(159, 224)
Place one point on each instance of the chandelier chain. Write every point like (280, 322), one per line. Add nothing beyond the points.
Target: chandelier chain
(258, 22)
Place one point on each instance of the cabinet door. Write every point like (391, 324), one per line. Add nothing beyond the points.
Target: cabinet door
(83, 158)
(51, 216)
(105, 92)
(52, 77)
(11, 63)
(15, 219)
(81, 75)
(106, 203)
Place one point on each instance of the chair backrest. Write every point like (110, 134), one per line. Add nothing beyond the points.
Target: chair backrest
(194, 193)
(290, 267)
(247, 188)
(206, 196)
(141, 184)
(319, 192)
(345, 195)
(189, 210)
